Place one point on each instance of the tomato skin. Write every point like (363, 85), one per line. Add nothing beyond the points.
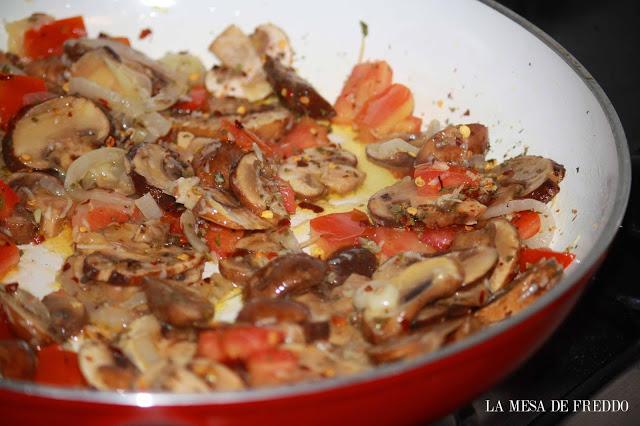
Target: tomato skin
(58, 367)
(383, 114)
(433, 179)
(8, 200)
(9, 255)
(439, 238)
(13, 89)
(366, 81)
(221, 240)
(198, 102)
(305, 134)
(245, 139)
(337, 230)
(103, 216)
(288, 196)
(272, 366)
(527, 223)
(48, 39)
(396, 240)
(530, 256)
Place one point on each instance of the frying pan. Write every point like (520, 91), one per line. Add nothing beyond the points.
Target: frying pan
(465, 61)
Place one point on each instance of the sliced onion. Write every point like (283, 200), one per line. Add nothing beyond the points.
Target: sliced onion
(547, 222)
(106, 197)
(394, 146)
(156, 126)
(188, 223)
(102, 162)
(149, 207)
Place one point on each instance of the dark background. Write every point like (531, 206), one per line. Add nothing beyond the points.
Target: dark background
(599, 344)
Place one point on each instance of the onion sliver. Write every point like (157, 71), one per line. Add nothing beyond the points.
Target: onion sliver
(149, 207)
(188, 222)
(103, 165)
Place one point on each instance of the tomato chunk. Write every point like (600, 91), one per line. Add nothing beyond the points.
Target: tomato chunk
(431, 179)
(103, 216)
(272, 366)
(13, 90)
(245, 138)
(366, 81)
(439, 238)
(305, 134)
(48, 39)
(9, 255)
(397, 240)
(8, 200)
(198, 100)
(530, 256)
(527, 223)
(385, 114)
(337, 230)
(221, 240)
(288, 196)
(58, 367)
(237, 343)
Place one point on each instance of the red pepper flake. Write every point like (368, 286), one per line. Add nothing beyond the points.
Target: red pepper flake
(146, 32)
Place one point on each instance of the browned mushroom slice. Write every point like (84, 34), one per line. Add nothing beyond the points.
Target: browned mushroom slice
(410, 346)
(455, 144)
(50, 135)
(268, 125)
(255, 185)
(528, 176)
(261, 311)
(522, 292)
(68, 315)
(395, 264)
(240, 269)
(395, 154)
(477, 262)
(401, 205)
(507, 244)
(17, 360)
(153, 169)
(105, 368)
(287, 275)
(221, 208)
(175, 304)
(214, 163)
(28, 317)
(296, 93)
(54, 70)
(350, 260)
(472, 296)
(389, 307)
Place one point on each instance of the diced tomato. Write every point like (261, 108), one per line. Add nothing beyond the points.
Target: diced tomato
(337, 230)
(8, 200)
(366, 81)
(383, 114)
(288, 196)
(527, 223)
(530, 256)
(198, 102)
(48, 39)
(9, 255)
(58, 367)
(13, 89)
(305, 134)
(439, 238)
(396, 240)
(272, 366)
(221, 240)
(245, 138)
(430, 179)
(237, 342)
(103, 216)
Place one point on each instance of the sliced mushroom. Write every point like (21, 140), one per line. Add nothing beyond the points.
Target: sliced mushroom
(528, 176)
(28, 317)
(271, 40)
(395, 154)
(153, 170)
(221, 208)
(473, 296)
(269, 125)
(455, 144)
(176, 305)
(240, 269)
(262, 311)
(401, 205)
(395, 264)
(218, 376)
(104, 368)
(272, 241)
(68, 315)
(54, 70)
(350, 260)
(410, 346)
(317, 170)
(167, 376)
(287, 275)
(296, 93)
(255, 184)
(51, 135)
(17, 360)
(215, 162)
(507, 244)
(522, 292)
(389, 307)
(477, 262)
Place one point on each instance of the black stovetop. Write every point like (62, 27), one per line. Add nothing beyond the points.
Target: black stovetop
(599, 343)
